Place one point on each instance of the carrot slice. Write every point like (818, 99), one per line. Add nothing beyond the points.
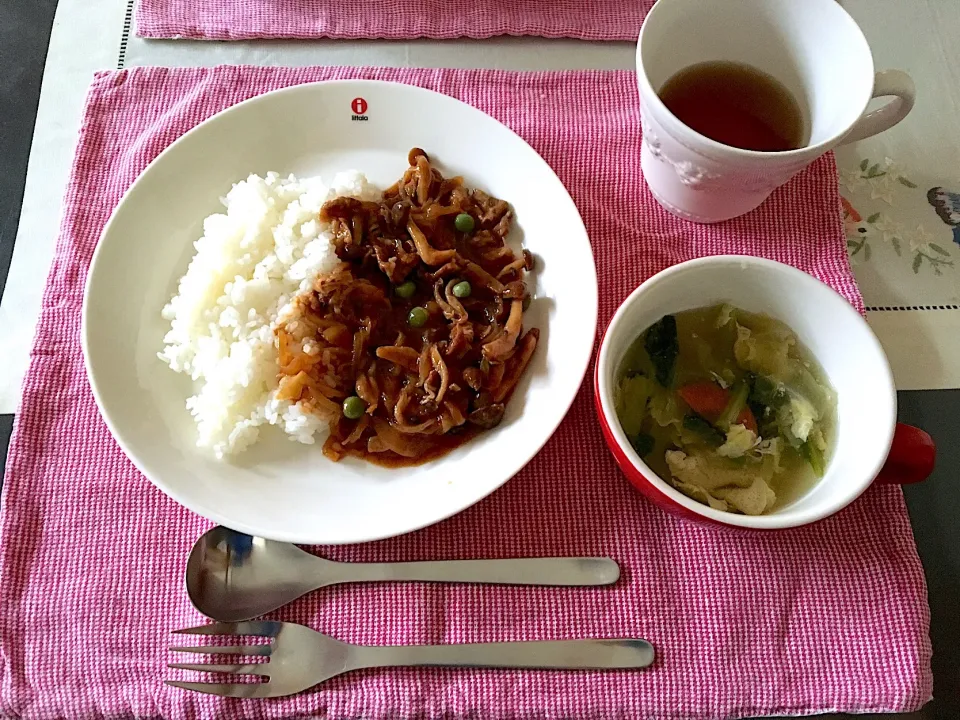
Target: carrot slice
(707, 399)
(747, 419)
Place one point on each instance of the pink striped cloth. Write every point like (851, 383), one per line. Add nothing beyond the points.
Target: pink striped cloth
(832, 617)
(389, 19)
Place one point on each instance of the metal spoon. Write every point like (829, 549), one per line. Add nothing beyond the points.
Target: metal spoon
(233, 577)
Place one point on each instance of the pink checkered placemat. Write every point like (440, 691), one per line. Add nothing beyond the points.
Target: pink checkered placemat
(832, 617)
(389, 19)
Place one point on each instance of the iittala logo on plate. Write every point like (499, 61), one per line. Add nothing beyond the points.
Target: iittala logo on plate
(359, 107)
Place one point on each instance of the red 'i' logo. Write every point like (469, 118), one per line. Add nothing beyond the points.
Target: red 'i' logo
(359, 106)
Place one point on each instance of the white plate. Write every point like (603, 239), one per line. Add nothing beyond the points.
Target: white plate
(280, 489)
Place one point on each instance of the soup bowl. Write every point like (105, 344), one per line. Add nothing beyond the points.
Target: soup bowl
(868, 444)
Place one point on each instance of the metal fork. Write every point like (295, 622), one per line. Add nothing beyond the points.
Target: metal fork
(297, 658)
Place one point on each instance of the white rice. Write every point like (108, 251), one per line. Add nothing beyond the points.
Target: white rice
(250, 263)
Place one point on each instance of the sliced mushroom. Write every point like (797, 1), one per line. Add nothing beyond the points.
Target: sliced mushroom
(436, 210)
(358, 429)
(441, 367)
(497, 312)
(492, 210)
(514, 267)
(431, 386)
(487, 417)
(460, 338)
(430, 255)
(517, 365)
(356, 226)
(502, 228)
(367, 391)
(515, 290)
(393, 261)
(451, 417)
(360, 340)
(342, 208)
(444, 271)
(405, 357)
(396, 441)
(483, 278)
(333, 449)
(498, 349)
(425, 178)
(491, 332)
(473, 378)
(375, 445)
(399, 413)
(424, 366)
(441, 301)
(337, 334)
(458, 312)
(495, 377)
(497, 253)
(389, 391)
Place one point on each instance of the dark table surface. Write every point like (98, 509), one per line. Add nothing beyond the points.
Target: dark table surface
(934, 505)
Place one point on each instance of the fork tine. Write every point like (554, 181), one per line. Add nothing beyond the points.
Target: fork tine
(262, 628)
(263, 650)
(237, 690)
(261, 669)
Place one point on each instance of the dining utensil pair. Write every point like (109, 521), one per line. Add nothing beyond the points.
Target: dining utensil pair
(234, 577)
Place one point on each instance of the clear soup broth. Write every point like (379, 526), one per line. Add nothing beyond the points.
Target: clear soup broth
(728, 407)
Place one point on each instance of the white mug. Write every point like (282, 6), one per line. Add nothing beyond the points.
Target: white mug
(813, 47)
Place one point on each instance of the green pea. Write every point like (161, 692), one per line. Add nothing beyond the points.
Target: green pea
(462, 289)
(464, 223)
(406, 290)
(354, 408)
(418, 317)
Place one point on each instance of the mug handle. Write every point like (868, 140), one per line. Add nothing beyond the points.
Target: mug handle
(911, 457)
(889, 82)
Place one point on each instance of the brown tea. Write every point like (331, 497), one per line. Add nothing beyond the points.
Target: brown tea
(736, 105)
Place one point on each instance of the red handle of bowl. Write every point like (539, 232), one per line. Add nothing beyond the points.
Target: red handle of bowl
(911, 457)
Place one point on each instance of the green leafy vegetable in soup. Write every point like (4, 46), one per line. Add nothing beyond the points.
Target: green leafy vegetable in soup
(728, 407)
(660, 342)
